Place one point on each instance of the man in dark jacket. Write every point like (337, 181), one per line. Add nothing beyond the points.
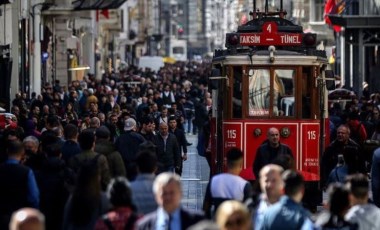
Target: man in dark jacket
(51, 182)
(181, 140)
(269, 151)
(128, 145)
(87, 143)
(335, 149)
(71, 147)
(167, 150)
(18, 184)
(104, 146)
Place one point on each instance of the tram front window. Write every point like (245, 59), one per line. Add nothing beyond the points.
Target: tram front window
(259, 92)
(283, 88)
(260, 88)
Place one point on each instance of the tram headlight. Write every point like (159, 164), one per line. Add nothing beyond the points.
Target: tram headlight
(232, 40)
(285, 132)
(309, 39)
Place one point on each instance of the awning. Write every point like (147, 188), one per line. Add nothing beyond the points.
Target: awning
(169, 60)
(97, 4)
(356, 21)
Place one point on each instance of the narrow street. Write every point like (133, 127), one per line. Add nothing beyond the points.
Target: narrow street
(194, 177)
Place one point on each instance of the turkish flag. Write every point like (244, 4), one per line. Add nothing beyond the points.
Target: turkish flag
(104, 12)
(331, 8)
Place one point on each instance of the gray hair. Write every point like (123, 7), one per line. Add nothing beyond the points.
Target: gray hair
(32, 139)
(164, 179)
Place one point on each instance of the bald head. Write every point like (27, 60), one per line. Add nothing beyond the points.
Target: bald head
(27, 219)
(273, 137)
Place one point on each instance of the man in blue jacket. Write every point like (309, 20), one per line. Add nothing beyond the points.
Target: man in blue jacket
(288, 212)
(18, 184)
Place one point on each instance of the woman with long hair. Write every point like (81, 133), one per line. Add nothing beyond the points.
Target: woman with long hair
(87, 202)
(123, 215)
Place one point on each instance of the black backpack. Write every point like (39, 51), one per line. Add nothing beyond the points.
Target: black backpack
(70, 175)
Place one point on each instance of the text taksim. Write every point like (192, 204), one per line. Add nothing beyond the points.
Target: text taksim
(250, 39)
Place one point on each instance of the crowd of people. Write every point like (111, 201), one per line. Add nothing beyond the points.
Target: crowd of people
(81, 153)
(108, 154)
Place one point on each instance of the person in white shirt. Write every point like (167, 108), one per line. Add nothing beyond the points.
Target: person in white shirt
(229, 185)
(366, 215)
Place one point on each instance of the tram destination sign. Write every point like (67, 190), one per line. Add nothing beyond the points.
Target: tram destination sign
(270, 36)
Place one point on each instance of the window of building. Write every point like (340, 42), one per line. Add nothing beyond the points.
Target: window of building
(317, 8)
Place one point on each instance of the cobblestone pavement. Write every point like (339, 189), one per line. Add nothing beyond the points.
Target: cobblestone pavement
(195, 175)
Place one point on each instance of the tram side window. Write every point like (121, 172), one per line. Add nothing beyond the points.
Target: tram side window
(237, 93)
(259, 92)
(306, 94)
(283, 97)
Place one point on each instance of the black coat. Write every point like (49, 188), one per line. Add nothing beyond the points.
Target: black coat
(188, 218)
(168, 156)
(265, 154)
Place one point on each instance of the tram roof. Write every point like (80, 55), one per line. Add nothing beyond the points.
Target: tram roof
(261, 57)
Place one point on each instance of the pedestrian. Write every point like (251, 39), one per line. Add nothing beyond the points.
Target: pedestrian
(104, 146)
(335, 151)
(170, 214)
(27, 219)
(70, 147)
(33, 157)
(51, 183)
(123, 214)
(86, 141)
(167, 150)
(366, 215)
(338, 204)
(270, 150)
(375, 177)
(18, 184)
(227, 186)
(232, 214)
(271, 185)
(87, 202)
(142, 186)
(288, 212)
(346, 166)
(181, 141)
(128, 145)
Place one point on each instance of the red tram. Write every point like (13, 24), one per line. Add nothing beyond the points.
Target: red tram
(270, 75)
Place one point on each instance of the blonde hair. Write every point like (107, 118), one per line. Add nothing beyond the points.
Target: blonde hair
(227, 209)
(25, 217)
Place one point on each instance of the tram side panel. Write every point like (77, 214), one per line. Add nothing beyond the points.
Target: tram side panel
(301, 137)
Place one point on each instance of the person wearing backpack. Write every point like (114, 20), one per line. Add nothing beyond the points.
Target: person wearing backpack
(86, 141)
